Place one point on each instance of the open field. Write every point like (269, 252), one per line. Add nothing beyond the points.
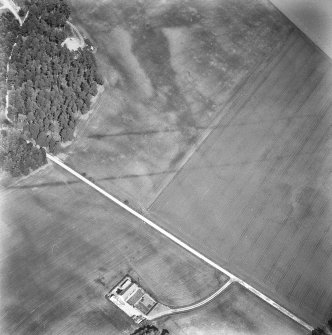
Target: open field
(236, 312)
(232, 278)
(169, 68)
(63, 246)
(314, 18)
(256, 196)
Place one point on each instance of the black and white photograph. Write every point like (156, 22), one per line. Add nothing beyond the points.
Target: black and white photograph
(166, 167)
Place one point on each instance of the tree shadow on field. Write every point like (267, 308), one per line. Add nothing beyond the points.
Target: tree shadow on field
(134, 133)
(73, 182)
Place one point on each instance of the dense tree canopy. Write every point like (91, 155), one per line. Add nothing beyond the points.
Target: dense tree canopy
(49, 86)
(8, 26)
(150, 330)
(17, 156)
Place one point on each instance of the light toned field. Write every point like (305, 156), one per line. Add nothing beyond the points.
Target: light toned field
(236, 312)
(64, 246)
(314, 18)
(256, 196)
(169, 67)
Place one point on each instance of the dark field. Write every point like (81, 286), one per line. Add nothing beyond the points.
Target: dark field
(63, 246)
(236, 312)
(169, 69)
(256, 196)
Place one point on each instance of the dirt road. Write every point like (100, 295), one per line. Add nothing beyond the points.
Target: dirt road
(9, 4)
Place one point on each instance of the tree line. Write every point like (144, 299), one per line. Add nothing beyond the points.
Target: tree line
(8, 26)
(150, 330)
(17, 156)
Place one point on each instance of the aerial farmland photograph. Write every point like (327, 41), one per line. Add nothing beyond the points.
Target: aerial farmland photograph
(165, 167)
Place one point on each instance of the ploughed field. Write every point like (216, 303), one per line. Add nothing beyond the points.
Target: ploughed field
(256, 195)
(169, 68)
(64, 246)
(235, 312)
(237, 82)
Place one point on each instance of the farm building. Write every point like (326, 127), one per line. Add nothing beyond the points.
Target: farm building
(132, 299)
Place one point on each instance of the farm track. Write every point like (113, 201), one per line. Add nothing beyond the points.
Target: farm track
(14, 9)
(176, 240)
(153, 316)
(74, 245)
(78, 34)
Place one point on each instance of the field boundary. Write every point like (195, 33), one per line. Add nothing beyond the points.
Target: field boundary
(302, 32)
(270, 61)
(182, 244)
